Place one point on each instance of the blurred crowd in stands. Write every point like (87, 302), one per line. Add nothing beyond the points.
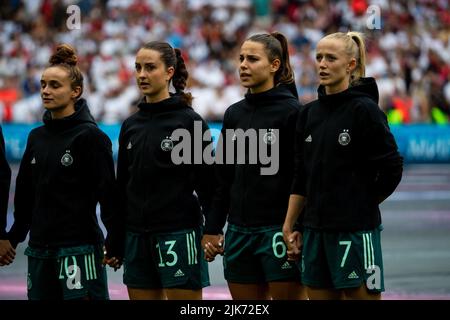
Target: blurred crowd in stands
(409, 53)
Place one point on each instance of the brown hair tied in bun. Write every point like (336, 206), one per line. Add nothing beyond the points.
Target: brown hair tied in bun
(66, 58)
(64, 54)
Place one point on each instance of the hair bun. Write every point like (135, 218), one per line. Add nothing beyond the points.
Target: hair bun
(64, 54)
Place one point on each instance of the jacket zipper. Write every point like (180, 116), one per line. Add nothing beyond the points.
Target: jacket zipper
(244, 220)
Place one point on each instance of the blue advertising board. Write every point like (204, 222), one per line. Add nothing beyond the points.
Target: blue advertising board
(419, 143)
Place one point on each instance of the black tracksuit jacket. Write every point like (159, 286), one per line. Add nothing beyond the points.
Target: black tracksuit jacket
(67, 168)
(347, 160)
(5, 180)
(158, 195)
(244, 195)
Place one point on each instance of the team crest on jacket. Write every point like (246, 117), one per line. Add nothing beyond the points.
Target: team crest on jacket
(269, 137)
(344, 138)
(167, 144)
(66, 159)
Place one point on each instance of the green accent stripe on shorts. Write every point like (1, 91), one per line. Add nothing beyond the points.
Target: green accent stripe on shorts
(191, 248)
(89, 264)
(369, 259)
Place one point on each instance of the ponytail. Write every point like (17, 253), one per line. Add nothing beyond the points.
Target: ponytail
(360, 70)
(285, 74)
(173, 58)
(276, 47)
(355, 48)
(180, 77)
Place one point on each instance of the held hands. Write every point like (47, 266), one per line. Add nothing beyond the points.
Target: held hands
(113, 262)
(7, 253)
(294, 243)
(212, 245)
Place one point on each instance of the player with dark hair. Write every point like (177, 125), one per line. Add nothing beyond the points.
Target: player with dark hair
(255, 260)
(163, 215)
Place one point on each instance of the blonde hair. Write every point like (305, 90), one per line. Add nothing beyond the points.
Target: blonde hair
(355, 48)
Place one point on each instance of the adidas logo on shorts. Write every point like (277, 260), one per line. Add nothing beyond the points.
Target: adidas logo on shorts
(286, 265)
(352, 275)
(179, 273)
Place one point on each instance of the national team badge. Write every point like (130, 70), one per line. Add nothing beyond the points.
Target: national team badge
(167, 144)
(66, 159)
(269, 137)
(344, 138)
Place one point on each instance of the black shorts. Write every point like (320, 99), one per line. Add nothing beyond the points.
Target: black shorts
(257, 255)
(343, 259)
(165, 260)
(66, 273)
